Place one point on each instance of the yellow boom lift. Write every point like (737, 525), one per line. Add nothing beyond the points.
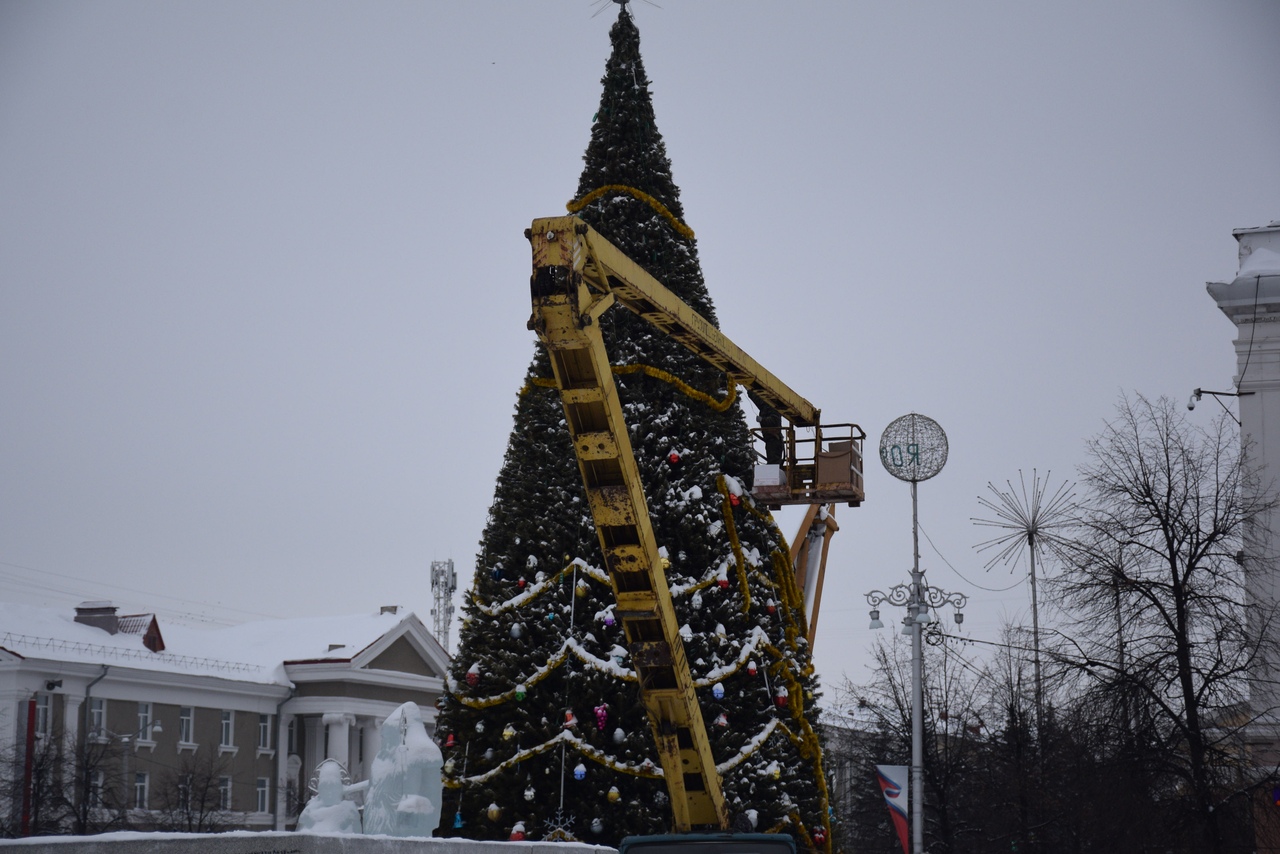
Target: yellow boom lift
(577, 276)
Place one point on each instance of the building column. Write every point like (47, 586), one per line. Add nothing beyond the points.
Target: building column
(1252, 302)
(339, 727)
(11, 705)
(72, 710)
(372, 742)
(282, 771)
(313, 748)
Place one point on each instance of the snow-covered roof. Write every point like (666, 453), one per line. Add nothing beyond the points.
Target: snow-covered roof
(251, 652)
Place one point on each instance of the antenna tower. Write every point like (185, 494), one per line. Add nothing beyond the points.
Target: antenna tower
(444, 581)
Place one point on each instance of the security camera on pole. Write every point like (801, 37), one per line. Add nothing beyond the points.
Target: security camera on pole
(914, 448)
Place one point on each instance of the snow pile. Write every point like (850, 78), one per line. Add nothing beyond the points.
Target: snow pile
(1261, 261)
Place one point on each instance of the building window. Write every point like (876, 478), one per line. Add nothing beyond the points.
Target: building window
(97, 717)
(144, 722)
(293, 735)
(186, 725)
(264, 732)
(264, 794)
(43, 715)
(224, 793)
(140, 791)
(184, 793)
(228, 729)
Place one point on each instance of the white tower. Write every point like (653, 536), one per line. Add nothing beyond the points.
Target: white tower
(1252, 302)
(444, 581)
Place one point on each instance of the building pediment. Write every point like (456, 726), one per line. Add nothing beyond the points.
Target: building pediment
(407, 649)
(401, 656)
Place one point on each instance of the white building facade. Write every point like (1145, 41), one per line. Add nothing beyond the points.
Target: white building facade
(129, 724)
(1252, 302)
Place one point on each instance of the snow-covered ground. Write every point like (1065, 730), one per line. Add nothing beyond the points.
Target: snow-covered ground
(284, 843)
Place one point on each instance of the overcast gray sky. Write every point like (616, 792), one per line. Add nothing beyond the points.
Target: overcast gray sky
(263, 282)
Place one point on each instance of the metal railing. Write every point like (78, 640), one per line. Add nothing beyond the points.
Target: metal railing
(82, 648)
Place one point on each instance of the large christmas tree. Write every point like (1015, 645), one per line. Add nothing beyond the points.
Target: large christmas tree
(541, 725)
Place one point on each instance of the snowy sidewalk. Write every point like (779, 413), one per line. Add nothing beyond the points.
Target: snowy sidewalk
(242, 842)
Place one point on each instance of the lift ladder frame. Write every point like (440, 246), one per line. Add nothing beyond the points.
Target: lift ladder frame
(577, 276)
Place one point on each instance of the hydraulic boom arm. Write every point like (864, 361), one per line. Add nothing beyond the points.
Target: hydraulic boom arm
(609, 275)
(577, 276)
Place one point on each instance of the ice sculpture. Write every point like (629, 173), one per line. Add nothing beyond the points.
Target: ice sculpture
(405, 785)
(327, 811)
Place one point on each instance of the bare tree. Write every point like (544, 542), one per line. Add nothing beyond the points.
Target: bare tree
(101, 792)
(62, 787)
(1153, 578)
(1152, 690)
(35, 791)
(877, 719)
(190, 796)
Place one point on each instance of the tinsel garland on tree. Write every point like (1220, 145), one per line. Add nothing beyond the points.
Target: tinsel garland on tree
(541, 725)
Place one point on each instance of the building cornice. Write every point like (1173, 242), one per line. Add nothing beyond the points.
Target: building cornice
(1247, 297)
(301, 674)
(358, 706)
(160, 686)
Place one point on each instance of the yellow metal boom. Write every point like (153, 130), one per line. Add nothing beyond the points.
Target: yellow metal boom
(577, 276)
(606, 270)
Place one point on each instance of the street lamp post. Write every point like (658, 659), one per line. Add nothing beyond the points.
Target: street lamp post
(920, 599)
(914, 448)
